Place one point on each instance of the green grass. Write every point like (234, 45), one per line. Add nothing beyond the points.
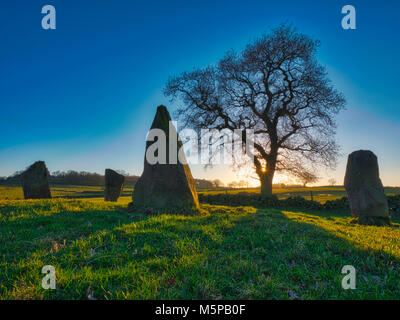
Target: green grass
(225, 253)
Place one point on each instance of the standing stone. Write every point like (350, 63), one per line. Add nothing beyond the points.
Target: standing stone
(114, 183)
(35, 182)
(365, 190)
(166, 185)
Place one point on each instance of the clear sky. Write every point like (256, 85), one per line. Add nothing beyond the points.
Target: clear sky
(83, 96)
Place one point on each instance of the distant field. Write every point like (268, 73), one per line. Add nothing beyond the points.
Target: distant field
(73, 192)
(320, 194)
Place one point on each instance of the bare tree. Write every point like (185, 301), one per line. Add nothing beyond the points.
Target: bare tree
(306, 177)
(218, 183)
(332, 181)
(233, 184)
(243, 183)
(276, 87)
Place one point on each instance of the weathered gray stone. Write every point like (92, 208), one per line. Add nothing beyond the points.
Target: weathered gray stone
(165, 186)
(364, 188)
(114, 183)
(35, 182)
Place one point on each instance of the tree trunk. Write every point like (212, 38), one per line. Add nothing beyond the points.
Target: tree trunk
(266, 184)
(267, 176)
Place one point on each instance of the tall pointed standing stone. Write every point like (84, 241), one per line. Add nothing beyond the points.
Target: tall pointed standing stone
(114, 183)
(165, 185)
(35, 181)
(365, 190)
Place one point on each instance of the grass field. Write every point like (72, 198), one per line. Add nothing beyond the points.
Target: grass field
(320, 194)
(75, 192)
(101, 251)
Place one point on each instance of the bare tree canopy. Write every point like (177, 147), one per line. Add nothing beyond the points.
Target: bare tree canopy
(276, 87)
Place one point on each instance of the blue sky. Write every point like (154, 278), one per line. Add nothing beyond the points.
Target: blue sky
(83, 96)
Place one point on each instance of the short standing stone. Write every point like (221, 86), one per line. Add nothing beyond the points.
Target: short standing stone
(35, 182)
(365, 190)
(168, 185)
(114, 183)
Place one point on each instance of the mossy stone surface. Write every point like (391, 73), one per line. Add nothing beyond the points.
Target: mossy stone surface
(365, 190)
(114, 183)
(35, 181)
(165, 186)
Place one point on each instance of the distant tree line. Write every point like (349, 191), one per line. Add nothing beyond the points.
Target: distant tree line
(84, 178)
(71, 177)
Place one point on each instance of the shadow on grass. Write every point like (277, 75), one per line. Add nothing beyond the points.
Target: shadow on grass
(267, 255)
(234, 253)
